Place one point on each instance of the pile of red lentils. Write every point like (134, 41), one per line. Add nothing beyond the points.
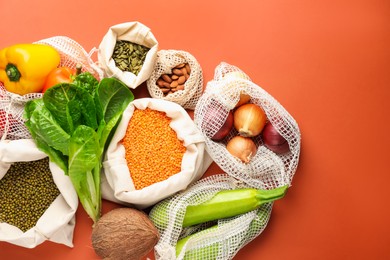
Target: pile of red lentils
(153, 150)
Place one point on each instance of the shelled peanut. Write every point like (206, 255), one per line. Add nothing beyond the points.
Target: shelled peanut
(170, 83)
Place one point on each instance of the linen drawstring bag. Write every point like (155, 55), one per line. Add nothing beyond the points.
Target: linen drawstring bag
(58, 221)
(134, 32)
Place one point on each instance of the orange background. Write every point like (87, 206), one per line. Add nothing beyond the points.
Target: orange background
(326, 62)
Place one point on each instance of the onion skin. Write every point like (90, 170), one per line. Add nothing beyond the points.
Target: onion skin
(249, 120)
(244, 98)
(226, 127)
(242, 148)
(274, 141)
(236, 74)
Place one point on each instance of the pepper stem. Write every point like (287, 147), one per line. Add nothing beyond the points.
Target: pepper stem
(270, 195)
(12, 72)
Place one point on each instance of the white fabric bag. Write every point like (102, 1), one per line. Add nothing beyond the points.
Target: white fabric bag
(58, 221)
(117, 184)
(134, 32)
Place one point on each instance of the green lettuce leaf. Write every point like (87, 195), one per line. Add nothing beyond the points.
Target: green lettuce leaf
(73, 124)
(84, 168)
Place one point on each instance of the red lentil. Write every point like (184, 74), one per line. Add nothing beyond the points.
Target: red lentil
(153, 150)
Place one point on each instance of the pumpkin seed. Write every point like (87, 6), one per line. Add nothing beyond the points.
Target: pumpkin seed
(129, 56)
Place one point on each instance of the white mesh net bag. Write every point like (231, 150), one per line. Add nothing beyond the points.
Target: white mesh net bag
(266, 168)
(169, 82)
(220, 239)
(12, 105)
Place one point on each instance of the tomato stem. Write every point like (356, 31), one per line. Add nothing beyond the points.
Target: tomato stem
(78, 69)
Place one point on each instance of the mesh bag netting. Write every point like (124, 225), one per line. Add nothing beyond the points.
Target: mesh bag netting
(266, 169)
(193, 86)
(12, 105)
(220, 239)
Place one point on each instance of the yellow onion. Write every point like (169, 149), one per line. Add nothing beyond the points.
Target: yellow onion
(249, 120)
(244, 98)
(236, 74)
(242, 148)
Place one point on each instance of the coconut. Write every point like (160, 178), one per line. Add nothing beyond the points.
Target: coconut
(124, 233)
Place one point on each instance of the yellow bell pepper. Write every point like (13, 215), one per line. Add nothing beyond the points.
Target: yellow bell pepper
(24, 67)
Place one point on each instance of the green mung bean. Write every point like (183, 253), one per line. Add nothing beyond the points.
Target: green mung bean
(26, 192)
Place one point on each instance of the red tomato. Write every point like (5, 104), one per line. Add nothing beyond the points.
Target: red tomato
(58, 75)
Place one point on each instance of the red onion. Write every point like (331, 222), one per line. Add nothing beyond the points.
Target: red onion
(225, 129)
(210, 119)
(274, 141)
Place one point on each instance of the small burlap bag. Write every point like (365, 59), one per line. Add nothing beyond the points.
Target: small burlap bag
(222, 242)
(266, 169)
(193, 86)
(12, 105)
(58, 221)
(117, 184)
(134, 32)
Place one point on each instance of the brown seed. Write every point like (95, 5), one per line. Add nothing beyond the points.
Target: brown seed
(160, 82)
(165, 90)
(180, 87)
(181, 65)
(166, 78)
(181, 80)
(174, 77)
(187, 76)
(177, 72)
(184, 71)
(174, 84)
(166, 84)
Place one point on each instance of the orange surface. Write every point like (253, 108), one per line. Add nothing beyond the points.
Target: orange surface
(326, 62)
